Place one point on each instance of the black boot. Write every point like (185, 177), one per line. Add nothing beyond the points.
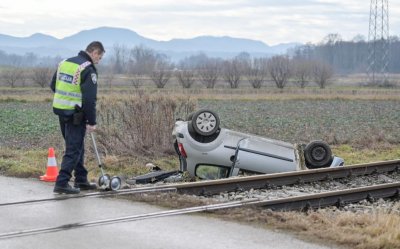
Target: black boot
(67, 189)
(85, 185)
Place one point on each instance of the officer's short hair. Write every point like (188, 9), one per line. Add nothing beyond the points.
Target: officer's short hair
(95, 45)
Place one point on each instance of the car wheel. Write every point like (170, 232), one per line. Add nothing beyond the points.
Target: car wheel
(190, 128)
(318, 154)
(205, 122)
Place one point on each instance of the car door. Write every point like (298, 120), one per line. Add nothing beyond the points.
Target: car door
(262, 155)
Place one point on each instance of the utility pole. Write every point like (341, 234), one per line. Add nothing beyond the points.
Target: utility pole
(378, 42)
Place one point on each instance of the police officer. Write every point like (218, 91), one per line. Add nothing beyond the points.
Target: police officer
(75, 90)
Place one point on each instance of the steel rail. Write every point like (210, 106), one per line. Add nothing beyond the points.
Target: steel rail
(211, 187)
(288, 178)
(334, 198)
(121, 219)
(92, 194)
(289, 203)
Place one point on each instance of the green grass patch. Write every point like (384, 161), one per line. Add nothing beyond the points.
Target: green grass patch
(361, 122)
(33, 163)
(26, 123)
(353, 155)
(21, 163)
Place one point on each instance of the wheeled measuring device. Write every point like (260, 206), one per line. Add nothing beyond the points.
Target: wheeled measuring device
(105, 181)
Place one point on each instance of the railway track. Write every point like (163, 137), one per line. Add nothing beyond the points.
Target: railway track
(303, 202)
(300, 202)
(208, 188)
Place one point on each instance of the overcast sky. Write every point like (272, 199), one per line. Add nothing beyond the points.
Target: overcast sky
(271, 21)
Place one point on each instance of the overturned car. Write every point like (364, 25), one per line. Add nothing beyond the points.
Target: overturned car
(208, 151)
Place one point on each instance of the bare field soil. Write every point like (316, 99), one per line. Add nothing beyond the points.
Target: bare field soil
(31, 94)
(356, 122)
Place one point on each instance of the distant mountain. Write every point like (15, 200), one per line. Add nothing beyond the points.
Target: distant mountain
(108, 36)
(45, 45)
(31, 41)
(214, 44)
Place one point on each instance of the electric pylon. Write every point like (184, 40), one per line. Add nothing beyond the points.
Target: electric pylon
(378, 42)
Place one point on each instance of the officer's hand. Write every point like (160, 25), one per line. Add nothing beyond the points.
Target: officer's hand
(90, 128)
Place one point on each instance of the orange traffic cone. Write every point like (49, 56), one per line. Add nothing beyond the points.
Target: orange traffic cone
(52, 170)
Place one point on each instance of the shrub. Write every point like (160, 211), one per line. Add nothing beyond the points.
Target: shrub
(140, 124)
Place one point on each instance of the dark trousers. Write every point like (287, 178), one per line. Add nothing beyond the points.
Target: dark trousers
(73, 159)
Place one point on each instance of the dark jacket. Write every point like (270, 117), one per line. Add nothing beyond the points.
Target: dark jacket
(88, 88)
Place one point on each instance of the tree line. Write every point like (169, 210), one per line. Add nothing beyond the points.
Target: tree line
(140, 63)
(302, 66)
(347, 57)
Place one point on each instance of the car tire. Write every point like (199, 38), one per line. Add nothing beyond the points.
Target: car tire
(190, 128)
(205, 122)
(317, 154)
(190, 116)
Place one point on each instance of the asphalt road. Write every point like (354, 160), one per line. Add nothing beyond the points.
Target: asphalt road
(183, 231)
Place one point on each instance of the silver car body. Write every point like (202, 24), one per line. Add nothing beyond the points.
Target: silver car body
(237, 152)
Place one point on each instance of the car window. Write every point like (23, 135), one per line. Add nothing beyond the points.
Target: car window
(211, 172)
(243, 172)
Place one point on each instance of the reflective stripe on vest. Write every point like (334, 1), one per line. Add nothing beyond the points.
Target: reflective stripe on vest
(63, 102)
(68, 90)
(77, 95)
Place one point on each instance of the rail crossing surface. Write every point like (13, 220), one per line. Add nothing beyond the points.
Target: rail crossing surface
(182, 231)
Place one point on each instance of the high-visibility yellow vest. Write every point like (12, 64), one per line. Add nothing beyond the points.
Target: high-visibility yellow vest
(68, 90)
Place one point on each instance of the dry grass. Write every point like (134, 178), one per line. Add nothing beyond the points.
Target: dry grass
(35, 94)
(378, 152)
(379, 229)
(30, 163)
(33, 163)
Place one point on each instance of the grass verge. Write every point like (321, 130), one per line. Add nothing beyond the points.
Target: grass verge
(32, 163)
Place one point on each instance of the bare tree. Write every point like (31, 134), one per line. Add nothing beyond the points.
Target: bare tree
(13, 75)
(232, 72)
(30, 59)
(256, 72)
(358, 38)
(119, 58)
(136, 80)
(15, 60)
(185, 77)
(42, 75)
(162, 72)
(332, 39)
(135, 73)
(279, 69)
(193, 61)
(208, 72)
(244, 60)
(107, 76)
(142, 60)
(322, 72)
(302, 72)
